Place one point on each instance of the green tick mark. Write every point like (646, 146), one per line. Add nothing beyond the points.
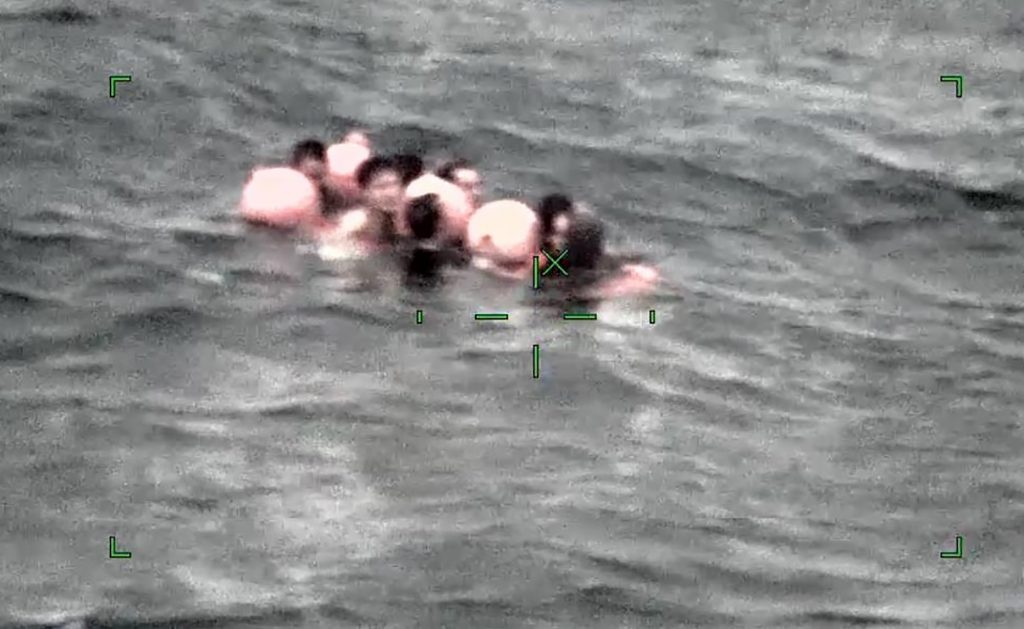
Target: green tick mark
(954, 78)
(491, 316)
(116, 554)
(580, 316)
(954, 554)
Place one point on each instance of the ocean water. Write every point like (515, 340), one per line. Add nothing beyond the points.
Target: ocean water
(831, 394)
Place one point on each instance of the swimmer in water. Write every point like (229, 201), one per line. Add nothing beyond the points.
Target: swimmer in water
(505, 235)
(453, 203)
(343, 162)
(409, 167)
(382, 183)
(462, 173)
(596, 274)
(357, 136)
(555, 212)
(425, 258)
(309, 157)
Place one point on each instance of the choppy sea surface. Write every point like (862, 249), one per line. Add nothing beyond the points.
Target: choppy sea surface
(831, 394)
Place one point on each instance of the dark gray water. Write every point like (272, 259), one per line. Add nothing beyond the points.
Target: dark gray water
(832, 392)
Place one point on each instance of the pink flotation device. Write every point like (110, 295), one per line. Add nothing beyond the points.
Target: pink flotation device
(280, 197)
(343, 161)
(504, 231)
(456, 206)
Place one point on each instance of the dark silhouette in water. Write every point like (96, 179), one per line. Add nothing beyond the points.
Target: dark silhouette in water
(310, 158)
(550, 208)
(593, 273)
(424, 259)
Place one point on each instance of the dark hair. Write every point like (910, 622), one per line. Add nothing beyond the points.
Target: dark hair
(550, 207)
(584, 243)
(447, 170)
(423, 216)
(308, 149)
(372, 167)
(409, 167)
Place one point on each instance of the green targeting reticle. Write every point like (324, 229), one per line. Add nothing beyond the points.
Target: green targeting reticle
(555, 263)
(954, 554)
(491, 316)
(580, 316)
(115, 553)
(114, 79)
(954, 78)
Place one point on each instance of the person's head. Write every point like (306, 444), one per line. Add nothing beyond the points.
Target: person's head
(424, 216)
(310, 158)
(357, 136)
(381, 184)
(462, 173)
(584, 242)
(554, 212)
(409, 167)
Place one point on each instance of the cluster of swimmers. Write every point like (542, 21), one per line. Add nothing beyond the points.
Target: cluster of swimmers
(348, 199)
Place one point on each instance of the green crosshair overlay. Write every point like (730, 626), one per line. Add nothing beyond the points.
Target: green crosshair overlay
(116, 554)
(491, 316)
(580, 316)
(954, 78)
(115, 79)
(954, 554)
(555, 262)
(536, 361)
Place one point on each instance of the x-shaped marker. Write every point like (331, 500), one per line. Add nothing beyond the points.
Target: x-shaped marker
(554, 262)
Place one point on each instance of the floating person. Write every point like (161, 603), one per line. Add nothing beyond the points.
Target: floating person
(463, 174)
(343, 162)
(372, 225)
(310, 158)
(453, 203)
(503, 236)
(425, 256)
(409, 167)
(554, 211)
(358, 136)
(595, 274)
(277, 197)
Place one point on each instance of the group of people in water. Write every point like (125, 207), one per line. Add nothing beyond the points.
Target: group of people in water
(349, 199)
